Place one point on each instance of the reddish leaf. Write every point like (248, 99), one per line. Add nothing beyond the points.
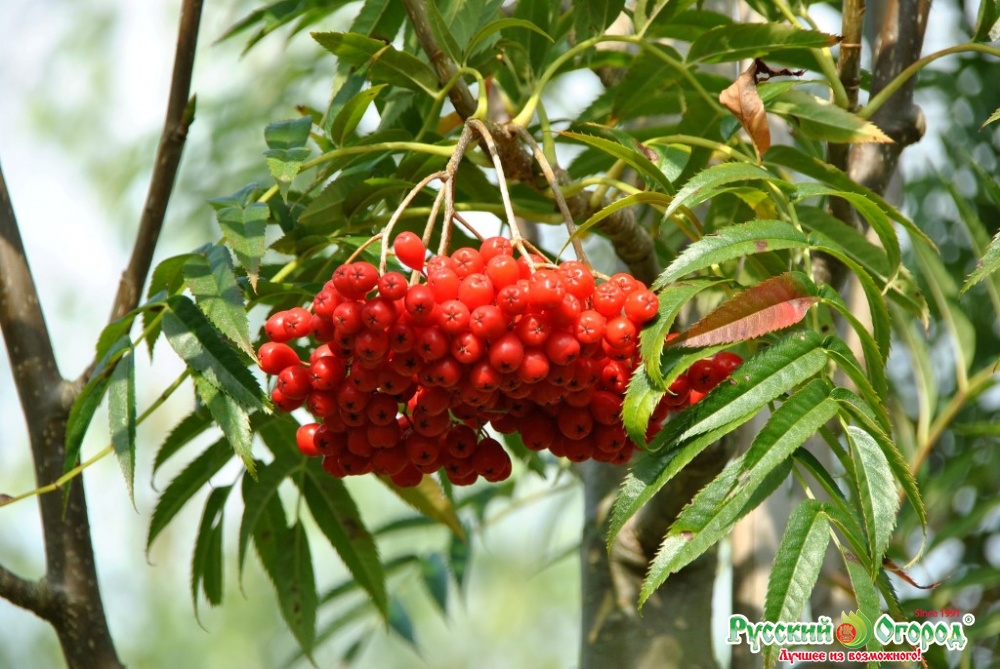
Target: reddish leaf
(775, 304)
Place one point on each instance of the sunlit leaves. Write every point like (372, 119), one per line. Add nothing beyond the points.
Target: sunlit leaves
(386, 63)
(121, 417)
(876, 491)
(750, 40)
(211, 279)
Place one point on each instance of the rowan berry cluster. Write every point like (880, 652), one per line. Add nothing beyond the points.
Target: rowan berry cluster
(407, 376)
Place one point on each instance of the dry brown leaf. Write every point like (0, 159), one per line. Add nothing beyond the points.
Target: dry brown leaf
(742, 99)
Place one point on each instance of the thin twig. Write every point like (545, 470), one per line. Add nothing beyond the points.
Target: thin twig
(180, 114)
(550, 176)
(449, 187)
(387, 232)
(465, 224)
(517, 239)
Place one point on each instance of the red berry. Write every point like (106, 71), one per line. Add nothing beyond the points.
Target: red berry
(304, 440)
(392, 286)
(410, 250)
(726, 362)
(275, 357)
(495, 246)
(467, 261)
(641, 306)
(275, 328)
(703, 376)
(295, 382)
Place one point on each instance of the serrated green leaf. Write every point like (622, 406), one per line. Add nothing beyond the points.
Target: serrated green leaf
(876, 217)
(284, 553)
(876, 491)
(844, 357)
(629, 201)
(190, 427)
(731, 242)
(397, 68)
(672, 299)
(751, 40)
(704, 185)
(121, 417)
(244, 228)
(350, 115)
(825, 121)
(288, 134)
(876, 303)
(987, 265)
(231, 418)
(206, 561)
(285, 164)
(701, 525)
(499, 25)
(86, 403)
(439, 27)
(199, 345)
(434, 573)
(995, 116)
(796, 568)
(640, 401)
(866, 595)
(212, 281)
(257, 494)
(186, 485)
(428, 498)
(775, 304)
(632, 157)
(758, 381)
(336, 514)
(866, 417)
(400, 623)
(810, 166)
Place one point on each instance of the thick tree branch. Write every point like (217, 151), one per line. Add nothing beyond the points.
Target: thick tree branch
(180, 114)
(631, 241)
(33, 596)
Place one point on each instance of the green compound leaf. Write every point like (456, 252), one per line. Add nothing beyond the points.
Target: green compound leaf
(206, 561)
(672, 299)
(211, 279)
(199, 345)
(876, 490)
(709, 517)
(232, 418)
(428, 498)
(90, 397)
(824, 121)
(706, 183)
(336, 514)
(751, 40)
(284, 553)
(388, 65)
(257, 494)
(289, 134)
(244, 228)
(988, 264)
(632, 157)
(347, 120)
(758, 381)
(190, 427)
(188, 482)
(796, 567)
(729, 243)
(121, 417)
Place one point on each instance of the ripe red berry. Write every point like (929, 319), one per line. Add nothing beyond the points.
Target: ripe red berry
(726, 362)
(495, 246)
(304, 440)
(275, 328)
(703, 376)
(295, 382)
(641, 306)
(274, 357)
(410, 250)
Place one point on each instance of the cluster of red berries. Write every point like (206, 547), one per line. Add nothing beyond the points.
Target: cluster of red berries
(688, 388)
(407, 376)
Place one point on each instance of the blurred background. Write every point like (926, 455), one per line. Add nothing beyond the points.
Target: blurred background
(84, 89)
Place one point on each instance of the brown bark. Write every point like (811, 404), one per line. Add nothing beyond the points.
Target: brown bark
(68, 596)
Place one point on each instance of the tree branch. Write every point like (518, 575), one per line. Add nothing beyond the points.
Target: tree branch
(33, 596)
(180, 114)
